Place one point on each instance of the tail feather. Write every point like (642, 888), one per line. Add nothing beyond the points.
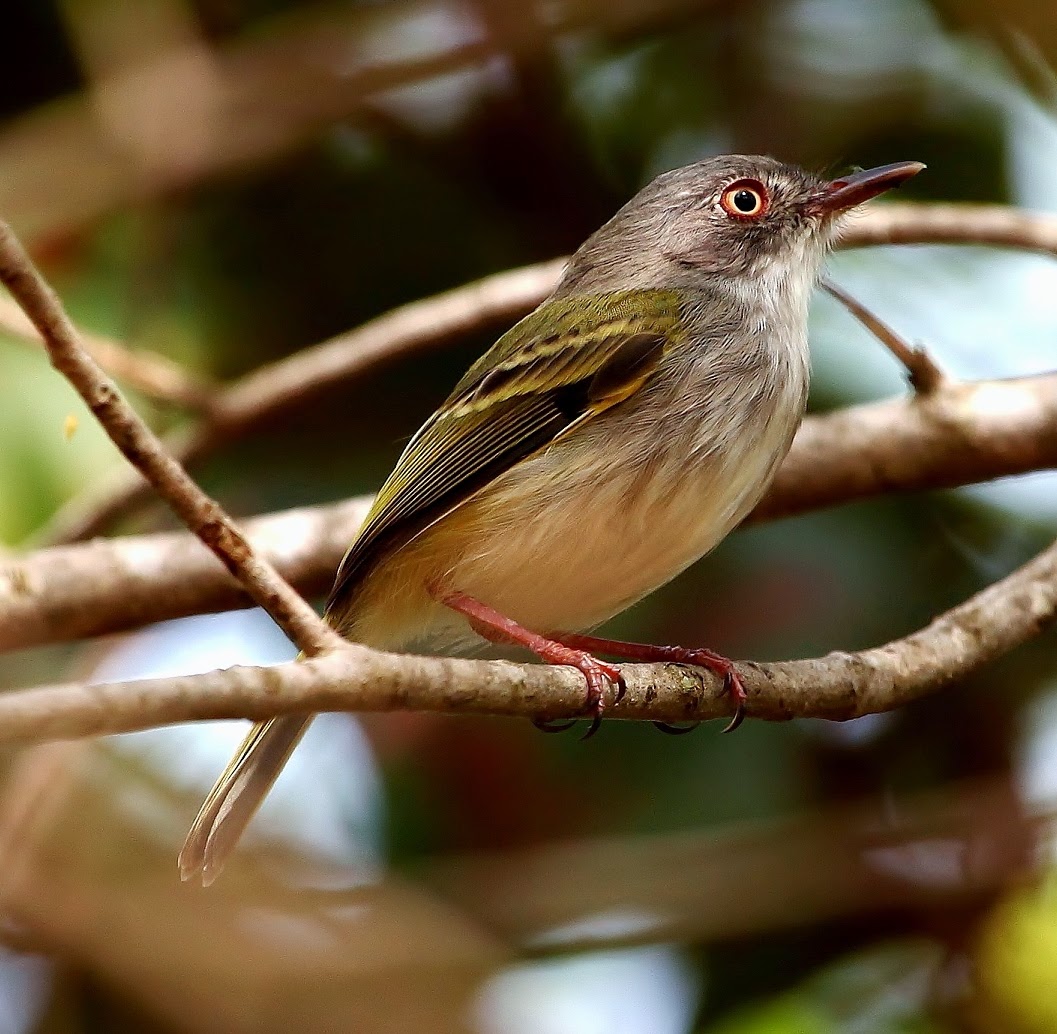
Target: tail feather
(238, 794)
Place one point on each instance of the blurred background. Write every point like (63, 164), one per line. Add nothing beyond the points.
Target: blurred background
(224, 182)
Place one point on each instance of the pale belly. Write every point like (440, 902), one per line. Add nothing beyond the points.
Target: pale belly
(581, 531)
(608, 536)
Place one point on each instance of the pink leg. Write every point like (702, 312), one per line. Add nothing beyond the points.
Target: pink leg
(645, 652)
(496, 628)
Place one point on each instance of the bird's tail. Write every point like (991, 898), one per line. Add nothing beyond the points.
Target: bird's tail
(238, 794)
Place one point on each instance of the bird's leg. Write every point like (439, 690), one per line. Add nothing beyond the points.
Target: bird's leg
(714, 662)
(493, 626)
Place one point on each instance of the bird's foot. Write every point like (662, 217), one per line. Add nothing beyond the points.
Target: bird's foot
(599, 677)
(648, 653)
(496, 628)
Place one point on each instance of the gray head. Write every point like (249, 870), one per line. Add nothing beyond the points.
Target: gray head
(732, 218)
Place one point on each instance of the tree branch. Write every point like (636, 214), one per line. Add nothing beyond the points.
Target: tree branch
(143, 450)
(147, 372)
(999, 226)
(492, 302)
(805, 869)
(112, 585)
(838, 686)
(960, 434)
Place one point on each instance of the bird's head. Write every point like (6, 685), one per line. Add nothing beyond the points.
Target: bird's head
(737, 218)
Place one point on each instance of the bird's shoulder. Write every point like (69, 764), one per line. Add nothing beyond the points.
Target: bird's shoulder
(565, 339)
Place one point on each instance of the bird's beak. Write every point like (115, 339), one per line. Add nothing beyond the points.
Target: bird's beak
(848, 191)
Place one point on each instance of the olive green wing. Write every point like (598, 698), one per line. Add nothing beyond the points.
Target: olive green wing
(561, 365)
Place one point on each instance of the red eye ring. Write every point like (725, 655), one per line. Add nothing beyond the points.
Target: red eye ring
(745, 199)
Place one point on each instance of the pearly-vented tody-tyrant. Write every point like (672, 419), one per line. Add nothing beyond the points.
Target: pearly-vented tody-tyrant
(606, 442)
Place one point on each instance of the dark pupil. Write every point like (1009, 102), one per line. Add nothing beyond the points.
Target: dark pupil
(745, 201)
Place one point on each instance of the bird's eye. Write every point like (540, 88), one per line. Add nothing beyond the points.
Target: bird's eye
(745, 199)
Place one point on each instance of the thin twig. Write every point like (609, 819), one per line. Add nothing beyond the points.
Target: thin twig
(960, 434)
(142, 448)
(924, 375)
(496, 300)
(147, 372)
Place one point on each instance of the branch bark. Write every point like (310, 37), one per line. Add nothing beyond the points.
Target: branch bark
(143, 450)
(999, 226)
(959, 434)
(838, 686)
(491, 302)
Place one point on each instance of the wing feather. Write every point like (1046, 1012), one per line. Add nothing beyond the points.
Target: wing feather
(561, 365)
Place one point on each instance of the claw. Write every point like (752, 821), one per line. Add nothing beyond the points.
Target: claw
(739, 717)
(578, 652)
(599, 676)
(732, 684)
(545, 725)
(676, 730)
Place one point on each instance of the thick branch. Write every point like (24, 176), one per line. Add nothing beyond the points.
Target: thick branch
(143, 450)
(491, 302)
(838, 686)
(959, 434)
(692, 884)
(112, 585)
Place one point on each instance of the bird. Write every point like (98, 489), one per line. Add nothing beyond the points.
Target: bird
(610, 439)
